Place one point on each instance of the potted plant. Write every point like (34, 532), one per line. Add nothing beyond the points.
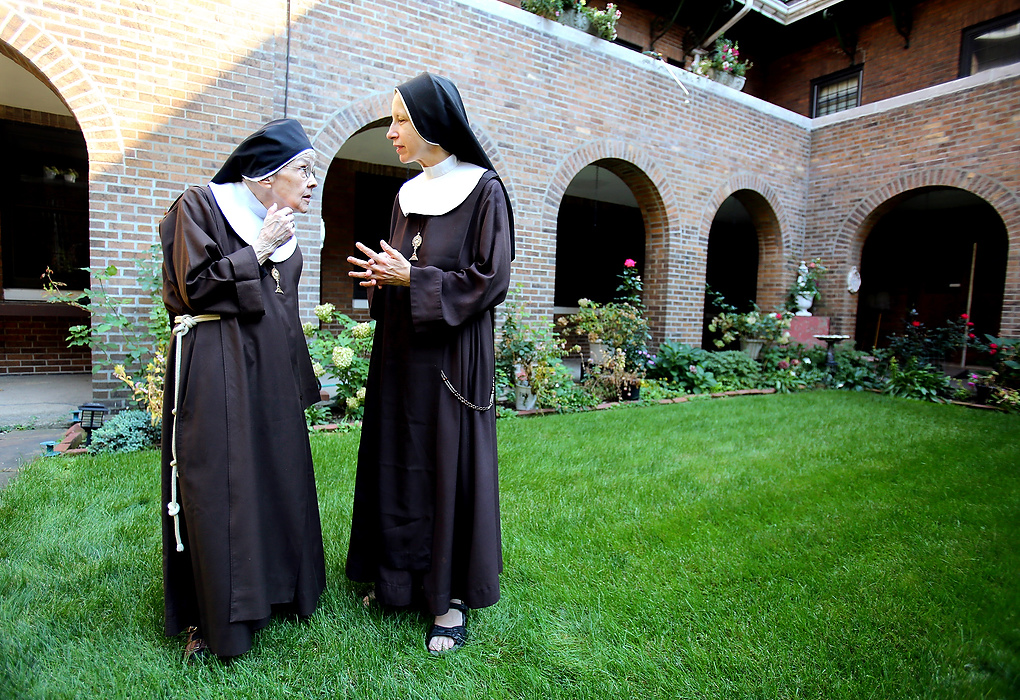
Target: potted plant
(603, 22)
(526, 353)
(70, 175)
(755, 329)
(620, 324)
(723, 64)
(577, 14)
(550, 9)
(805, 290)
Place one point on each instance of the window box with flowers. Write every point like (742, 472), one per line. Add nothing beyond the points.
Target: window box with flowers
(723, 64)
(577, 14)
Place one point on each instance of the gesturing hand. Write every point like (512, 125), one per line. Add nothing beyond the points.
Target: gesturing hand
(385, 267)
(277, 229)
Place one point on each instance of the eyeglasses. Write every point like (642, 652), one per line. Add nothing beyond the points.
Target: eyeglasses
(307, 171)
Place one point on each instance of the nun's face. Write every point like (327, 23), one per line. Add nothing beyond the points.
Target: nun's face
(292, 184)
(411, 147)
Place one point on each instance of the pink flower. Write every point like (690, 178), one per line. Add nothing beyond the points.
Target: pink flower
(779, 316)
(992, 352)
(629, 263)
(810, 264)
(969, 323)
(992, 346)
(964, 316)
(971, 335)
(783, 364)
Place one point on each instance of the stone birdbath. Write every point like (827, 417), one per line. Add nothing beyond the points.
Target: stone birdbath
(830, 342)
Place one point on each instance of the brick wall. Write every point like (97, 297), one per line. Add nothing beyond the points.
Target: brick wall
(35, 344)
(163, 92)
(860, 165)
(890, 67)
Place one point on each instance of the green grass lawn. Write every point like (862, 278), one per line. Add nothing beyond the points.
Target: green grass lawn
(814, 545)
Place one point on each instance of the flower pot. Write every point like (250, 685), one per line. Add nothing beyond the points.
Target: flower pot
(599, 352)
(575, 19)
(982, 392)
(752, 346)
(804, 302)
(525, 398)
(630, 392)
(728, 79)
(68, 177)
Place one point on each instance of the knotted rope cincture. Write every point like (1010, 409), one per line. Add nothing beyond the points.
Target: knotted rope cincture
(183, 324)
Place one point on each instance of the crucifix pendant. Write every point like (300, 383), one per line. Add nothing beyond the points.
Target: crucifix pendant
(276, 276)
(416, 242)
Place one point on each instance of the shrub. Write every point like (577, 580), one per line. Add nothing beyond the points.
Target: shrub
(128, 431)
(916, 380)
(684, 367)
(342, 354)
(734, 370)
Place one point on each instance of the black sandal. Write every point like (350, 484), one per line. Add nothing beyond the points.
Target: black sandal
(195, 647)
(458, 633)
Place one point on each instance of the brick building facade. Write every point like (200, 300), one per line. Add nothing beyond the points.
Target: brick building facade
(162, 92)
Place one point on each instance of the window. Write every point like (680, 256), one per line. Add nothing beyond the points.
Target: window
(990, 44)
(44, 214)
(836, 91)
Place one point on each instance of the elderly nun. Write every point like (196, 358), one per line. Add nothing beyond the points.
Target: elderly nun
(241, 532)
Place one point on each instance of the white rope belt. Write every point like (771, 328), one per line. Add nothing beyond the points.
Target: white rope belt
(183, 324)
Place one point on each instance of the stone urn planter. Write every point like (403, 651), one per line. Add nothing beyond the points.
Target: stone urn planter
(575, 19)
(599, 352)
(804, 302)
(728, 79)
(752, 346)
(525, 397)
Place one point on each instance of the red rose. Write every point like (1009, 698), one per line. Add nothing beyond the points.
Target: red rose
(779, 316)
(992, 352)
(992, 345)
(971, 335)
(964, 316)
(629, 263)
(915, 324)
(969, 323)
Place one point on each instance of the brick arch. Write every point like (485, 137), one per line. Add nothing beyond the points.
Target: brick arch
(652, 189)
(51, 62)
(848, 244)
(344, 123)
(771, 223)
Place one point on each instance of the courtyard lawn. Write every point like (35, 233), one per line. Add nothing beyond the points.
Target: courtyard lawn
(814, 545)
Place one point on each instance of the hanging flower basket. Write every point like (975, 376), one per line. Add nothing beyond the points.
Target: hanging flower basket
(575, 19)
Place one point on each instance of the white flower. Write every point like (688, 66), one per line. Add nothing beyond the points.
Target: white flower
(308, 329)
(318, 369)
(324, 312)
(342, 357)
(807, 360)
(362, 330)
(353, 402)
(360, 393)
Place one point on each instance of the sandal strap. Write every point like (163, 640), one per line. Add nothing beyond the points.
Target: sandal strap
(458, 634)
(461, 608)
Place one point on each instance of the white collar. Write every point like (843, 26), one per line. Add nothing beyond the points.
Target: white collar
(245, 214)
(439, 189)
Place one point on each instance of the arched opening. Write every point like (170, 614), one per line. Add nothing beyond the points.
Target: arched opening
(357, 202)
(44, 220)
(744, 262)
(599, 225)
(938, 251)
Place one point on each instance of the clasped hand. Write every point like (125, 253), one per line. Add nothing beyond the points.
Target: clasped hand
(385, 267)
(277, 229)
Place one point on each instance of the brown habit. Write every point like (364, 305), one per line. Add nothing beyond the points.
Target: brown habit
(249, 512)
(426, 500)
